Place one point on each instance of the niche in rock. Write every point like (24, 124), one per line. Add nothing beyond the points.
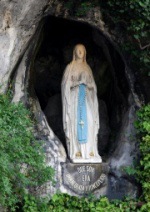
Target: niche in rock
(59, 36)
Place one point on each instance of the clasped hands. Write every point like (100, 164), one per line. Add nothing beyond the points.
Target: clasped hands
(82, 82)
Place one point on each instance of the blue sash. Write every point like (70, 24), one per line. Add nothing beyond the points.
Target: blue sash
(82, 115)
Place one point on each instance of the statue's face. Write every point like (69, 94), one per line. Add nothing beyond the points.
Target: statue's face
(79, 52)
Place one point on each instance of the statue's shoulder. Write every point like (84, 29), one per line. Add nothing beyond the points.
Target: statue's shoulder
(68, 67)
(67, 71)
(88, 66)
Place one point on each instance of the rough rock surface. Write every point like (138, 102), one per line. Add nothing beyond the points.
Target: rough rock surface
(19, 20)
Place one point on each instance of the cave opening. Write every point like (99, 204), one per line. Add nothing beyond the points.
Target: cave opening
(57, 40)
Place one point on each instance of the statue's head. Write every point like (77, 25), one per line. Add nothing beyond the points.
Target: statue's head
(79, 52)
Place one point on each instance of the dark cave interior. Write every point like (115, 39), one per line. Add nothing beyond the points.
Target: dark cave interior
(58, 38)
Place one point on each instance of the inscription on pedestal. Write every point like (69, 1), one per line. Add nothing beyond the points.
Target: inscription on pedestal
(85, 178)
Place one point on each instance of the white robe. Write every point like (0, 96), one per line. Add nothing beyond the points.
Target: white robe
(74, 75)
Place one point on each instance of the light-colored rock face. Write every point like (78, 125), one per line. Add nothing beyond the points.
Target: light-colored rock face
(125, 151)
(18, 22)
(19, 37)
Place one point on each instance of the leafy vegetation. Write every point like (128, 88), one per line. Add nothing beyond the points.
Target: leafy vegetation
(81, 7)
(143, 172)
(64, 202)
(21, 155)
(134, 19)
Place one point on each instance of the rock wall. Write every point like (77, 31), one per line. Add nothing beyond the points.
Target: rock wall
(19, 20)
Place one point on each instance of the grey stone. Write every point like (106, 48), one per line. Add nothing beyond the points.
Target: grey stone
(18, 23)
(118, 187)
(53, 113)
(127, 149)
(54, 107)
(85, 178)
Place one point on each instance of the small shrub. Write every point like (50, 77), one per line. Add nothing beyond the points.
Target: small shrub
(21, 155)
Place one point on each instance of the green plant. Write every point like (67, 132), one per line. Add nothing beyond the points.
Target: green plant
(21, 155)
(64, 202)
(34, 204)
(130, 170)
(30, 204)
(67, 203)
(134, 17)
(84, 8)
(80, 7)
(143, 172)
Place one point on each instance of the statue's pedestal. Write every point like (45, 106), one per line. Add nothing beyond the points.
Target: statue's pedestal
(83, 179)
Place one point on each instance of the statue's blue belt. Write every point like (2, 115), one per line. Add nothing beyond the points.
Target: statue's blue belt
(82, 129)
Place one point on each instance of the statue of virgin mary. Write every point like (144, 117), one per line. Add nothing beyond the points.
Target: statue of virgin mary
(80, 109)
